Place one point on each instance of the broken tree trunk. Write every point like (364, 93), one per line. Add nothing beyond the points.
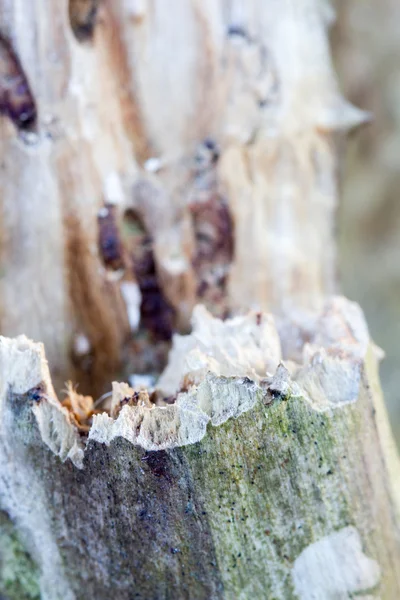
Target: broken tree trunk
(158, 156)
(206, 127)
(245, 486)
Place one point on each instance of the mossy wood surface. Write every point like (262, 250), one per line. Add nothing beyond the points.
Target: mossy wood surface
(224, 518)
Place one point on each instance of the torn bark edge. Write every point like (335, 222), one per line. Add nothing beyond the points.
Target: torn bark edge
(330, 378)
(24, 372)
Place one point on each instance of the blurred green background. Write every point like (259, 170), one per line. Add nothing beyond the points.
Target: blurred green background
(366, 49)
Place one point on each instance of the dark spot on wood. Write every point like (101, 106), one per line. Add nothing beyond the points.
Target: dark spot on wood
(83, 17)
(237, 30)
(213, 232)
(170, 399)
(16, 99)
(206, 157)
(21, 404)
(212, 145)
(138, 425)
(158, 464)
(275, 394)
(35, 394)
(109, 241)
(156, 314)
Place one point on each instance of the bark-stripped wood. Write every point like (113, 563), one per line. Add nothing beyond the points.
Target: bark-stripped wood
(241, 126)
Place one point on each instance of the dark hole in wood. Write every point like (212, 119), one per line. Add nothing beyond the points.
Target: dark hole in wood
(237, 30)
(214, 236)
(83, 18)
(156, 314)
(16, 99)
(110, 244)
(213, 230)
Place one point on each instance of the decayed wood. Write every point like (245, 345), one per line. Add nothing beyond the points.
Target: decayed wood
(283, 486)
(212, 120)
(183, 152)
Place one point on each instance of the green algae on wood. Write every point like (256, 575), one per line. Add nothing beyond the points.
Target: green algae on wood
(19, 575)
(284, 465)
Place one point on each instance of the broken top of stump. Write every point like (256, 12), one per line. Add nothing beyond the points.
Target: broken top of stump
(219, 371)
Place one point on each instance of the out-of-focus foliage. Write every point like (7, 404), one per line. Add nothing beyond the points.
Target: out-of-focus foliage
(366, 46)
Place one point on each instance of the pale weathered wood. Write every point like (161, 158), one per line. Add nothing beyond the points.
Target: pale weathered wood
(121, 118)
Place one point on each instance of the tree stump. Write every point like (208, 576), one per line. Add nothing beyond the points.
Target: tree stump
(168, 192)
